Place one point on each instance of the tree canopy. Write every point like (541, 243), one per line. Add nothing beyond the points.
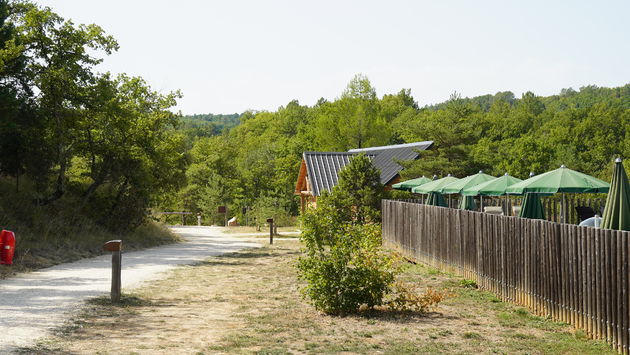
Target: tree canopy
(259, 158)
(106, 142)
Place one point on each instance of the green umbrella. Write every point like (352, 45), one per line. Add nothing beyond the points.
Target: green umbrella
(456, 187)
(434, 186)
(410, 184)
(532, 208)
(435, 199)
(617, 210)
(467, 203)
(494, 187)
(560, 180)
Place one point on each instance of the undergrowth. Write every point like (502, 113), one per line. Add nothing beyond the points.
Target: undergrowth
(60, 232)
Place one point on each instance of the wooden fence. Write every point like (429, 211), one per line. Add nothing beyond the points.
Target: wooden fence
(577, 275)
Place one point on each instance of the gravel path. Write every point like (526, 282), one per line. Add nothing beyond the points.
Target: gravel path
(33, 303)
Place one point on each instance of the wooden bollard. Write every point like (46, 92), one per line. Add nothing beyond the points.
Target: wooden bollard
(270, 221)
(115, 246)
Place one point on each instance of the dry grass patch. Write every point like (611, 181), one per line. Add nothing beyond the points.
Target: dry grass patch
(34, 251)
(248, 303)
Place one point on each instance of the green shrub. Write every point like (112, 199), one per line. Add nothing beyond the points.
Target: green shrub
(350, 272)
(344, 266)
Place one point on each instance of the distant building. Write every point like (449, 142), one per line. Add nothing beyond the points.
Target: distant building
(318, 171)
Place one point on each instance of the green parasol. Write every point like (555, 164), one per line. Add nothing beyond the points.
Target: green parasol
(560, 180)
(435, 199)
(432, 188)
(494, 187)
(617, 210)
(435, 185)
(467, 203)
(456, 187)
(410, 184)
(532, 208)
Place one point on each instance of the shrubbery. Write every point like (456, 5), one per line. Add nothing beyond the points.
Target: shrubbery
(344, 266)
(349, 271)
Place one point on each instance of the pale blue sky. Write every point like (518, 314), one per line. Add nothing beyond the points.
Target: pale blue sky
(230, 56)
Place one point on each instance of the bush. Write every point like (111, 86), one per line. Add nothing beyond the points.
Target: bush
(347, 273)
(344, 266)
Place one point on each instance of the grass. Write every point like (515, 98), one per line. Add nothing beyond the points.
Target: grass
(248, 303)
(62, 231)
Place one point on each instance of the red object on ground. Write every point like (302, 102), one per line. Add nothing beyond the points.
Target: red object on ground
(7, 245)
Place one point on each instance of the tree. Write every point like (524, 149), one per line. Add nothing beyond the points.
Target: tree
(343, 264)
(127, 143)
(20, 127)
(352, 121)
(60, 67)
(454, 130)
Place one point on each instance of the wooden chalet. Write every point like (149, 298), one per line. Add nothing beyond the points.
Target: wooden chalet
(318, 171)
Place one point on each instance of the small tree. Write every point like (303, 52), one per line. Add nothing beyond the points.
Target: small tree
(344, 266)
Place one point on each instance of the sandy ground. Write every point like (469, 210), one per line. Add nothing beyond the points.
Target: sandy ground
(32, 304)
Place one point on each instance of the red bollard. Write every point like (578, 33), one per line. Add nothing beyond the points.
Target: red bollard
(7, 243)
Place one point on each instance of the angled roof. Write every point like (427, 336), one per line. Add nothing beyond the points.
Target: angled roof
(386, 157)
(322, 168)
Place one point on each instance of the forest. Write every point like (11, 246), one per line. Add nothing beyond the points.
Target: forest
(106, 147)
(255, 164)
(207, 125)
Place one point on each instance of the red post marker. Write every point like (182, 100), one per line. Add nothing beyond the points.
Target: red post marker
(7, 247)
(115, 246)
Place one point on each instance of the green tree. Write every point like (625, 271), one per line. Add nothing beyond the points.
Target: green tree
(352, 121)
(343, 265)
(454, 130)
(60, 66)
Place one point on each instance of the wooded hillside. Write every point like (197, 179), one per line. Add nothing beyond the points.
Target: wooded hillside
(256, 163)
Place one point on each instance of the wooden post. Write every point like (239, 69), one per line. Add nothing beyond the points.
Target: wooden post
(270, 221)
(115, 246)
(223, 209)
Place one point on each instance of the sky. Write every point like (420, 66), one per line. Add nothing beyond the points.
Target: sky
(231, 56)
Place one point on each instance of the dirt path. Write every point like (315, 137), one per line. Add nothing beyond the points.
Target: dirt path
(248, 303)
(32, 304)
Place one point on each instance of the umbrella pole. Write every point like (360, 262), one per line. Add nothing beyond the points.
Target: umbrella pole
(481, 200)
(564, 208)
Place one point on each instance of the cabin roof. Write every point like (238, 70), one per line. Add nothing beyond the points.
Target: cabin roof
(322, 168)
(386, 157)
